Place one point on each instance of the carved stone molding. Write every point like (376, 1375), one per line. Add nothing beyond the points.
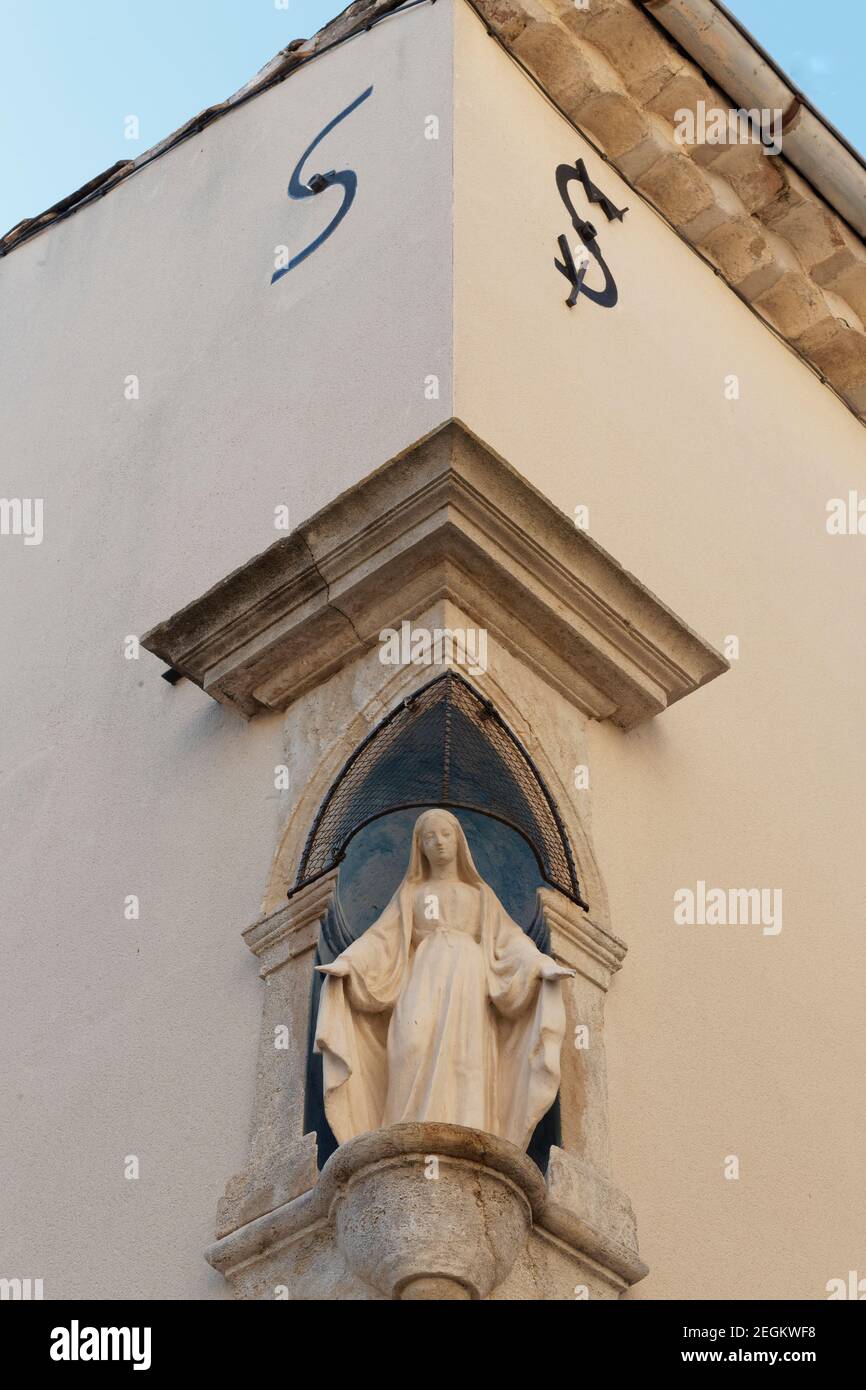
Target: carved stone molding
(293, 929)
(445, 520)
(575, 939)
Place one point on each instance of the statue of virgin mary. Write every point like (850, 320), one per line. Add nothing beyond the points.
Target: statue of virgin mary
(444, 1009)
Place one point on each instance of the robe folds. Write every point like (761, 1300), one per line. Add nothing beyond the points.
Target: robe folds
(452, 1026)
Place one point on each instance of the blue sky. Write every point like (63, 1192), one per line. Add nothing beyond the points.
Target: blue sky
(822, 47)
(71, 71)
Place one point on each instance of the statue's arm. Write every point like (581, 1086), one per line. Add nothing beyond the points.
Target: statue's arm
(551, 970)
(516, 945)
(518, 968)
(371, 965)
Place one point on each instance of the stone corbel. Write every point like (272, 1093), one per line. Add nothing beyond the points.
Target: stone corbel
(435, 1211)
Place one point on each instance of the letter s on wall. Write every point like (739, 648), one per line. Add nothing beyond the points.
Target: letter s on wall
(346, 177)
(608, 294)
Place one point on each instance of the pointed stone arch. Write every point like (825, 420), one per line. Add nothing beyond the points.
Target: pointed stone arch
(444, 744)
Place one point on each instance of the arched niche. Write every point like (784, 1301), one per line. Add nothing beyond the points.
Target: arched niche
(443, 745)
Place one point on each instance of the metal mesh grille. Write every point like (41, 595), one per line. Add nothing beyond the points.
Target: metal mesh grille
(444, 746)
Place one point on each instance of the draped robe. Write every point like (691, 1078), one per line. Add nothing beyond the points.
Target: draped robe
(438, 1022)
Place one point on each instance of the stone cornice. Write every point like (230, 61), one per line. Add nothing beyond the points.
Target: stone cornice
(620, 78)
(445, 521)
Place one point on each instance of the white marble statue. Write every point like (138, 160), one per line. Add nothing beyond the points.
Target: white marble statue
(444, 1009)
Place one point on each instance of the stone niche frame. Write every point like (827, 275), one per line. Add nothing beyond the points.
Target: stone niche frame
(448, 535)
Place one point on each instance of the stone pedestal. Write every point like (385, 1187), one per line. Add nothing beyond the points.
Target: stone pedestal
(433, 1211)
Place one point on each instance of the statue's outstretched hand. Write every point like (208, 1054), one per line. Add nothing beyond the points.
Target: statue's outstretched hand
(338, 968)
(551, 971)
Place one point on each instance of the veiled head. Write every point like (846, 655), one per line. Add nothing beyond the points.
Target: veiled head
(439, 846)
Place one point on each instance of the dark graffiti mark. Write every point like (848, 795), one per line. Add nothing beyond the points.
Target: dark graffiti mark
(317, 183)
(575, 270)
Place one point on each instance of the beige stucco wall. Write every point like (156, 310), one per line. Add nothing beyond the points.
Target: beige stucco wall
(124, 1037)
(721, 1041)
(140, 1037)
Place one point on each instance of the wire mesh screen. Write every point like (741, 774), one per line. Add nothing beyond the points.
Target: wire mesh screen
(444, 746)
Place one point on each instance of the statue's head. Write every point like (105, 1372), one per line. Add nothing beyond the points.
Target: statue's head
(440, 845)
(438, 832)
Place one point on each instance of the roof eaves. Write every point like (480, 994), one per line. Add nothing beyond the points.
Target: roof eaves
(622, 80)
